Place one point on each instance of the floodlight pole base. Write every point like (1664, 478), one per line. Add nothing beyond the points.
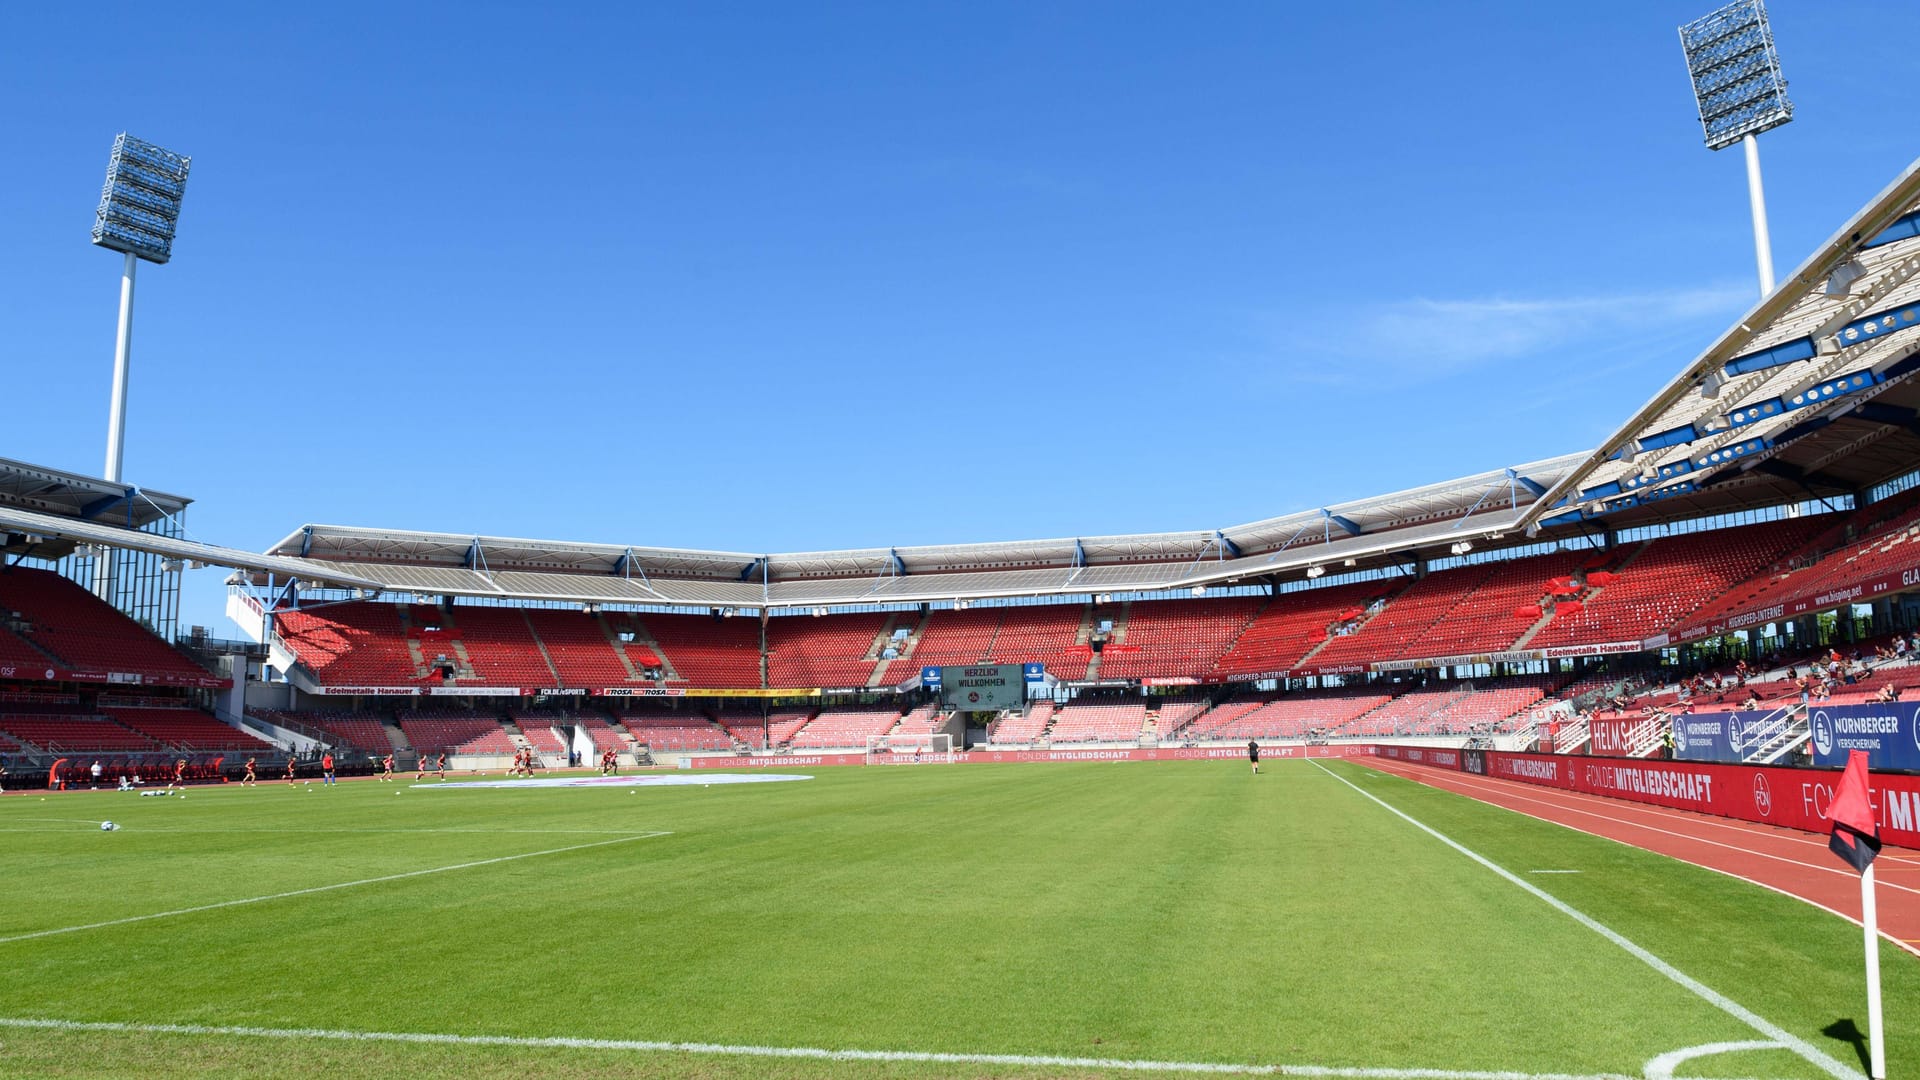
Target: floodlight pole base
(1757, 196)
(117, 414)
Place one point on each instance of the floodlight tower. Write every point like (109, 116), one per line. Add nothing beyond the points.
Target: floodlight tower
(1741, 93)
(138, 210)
(139, 207)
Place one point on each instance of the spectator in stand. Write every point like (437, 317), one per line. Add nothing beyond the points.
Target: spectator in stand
(1804, 685)
(1752, 702)
(1888, 694)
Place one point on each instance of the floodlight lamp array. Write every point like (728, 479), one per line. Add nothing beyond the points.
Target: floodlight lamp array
(140, 204)
(1736, 73)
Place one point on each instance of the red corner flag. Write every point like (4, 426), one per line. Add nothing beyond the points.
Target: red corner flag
(1856, 832)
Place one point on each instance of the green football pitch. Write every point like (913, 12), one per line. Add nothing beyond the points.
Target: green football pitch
(971, 920)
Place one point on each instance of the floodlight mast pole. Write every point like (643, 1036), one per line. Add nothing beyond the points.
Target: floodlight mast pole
(122, 360)
(117, 416)
(1757, 197)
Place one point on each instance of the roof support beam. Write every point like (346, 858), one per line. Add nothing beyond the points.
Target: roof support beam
(98, 507)
(1876, 412)
(306, 541)
(1079, 553)
(895, 562)
(1345, 524)
(1231, 549)
(1533, 486)
(473, 556)
(1806, 478)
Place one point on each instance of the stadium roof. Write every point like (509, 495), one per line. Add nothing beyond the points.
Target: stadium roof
(1374, 531)
(1811, 393)
(60, 494)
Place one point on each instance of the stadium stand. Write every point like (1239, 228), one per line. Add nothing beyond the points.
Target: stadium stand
(185, 729)
(456, 733)
(352, 643)
(844, 728)
(1099, 721)
(703, 650)
(1290, 716)
(1024, 727)
(500, 646)
(1171, 638)
(676, 731)
(582, 648)
(831, 650)
(83, 632)
(1296, 623)
(76, 734)
(1670, 578)
(604, 735)
(355, 730)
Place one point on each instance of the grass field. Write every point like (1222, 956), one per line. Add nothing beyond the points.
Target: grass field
(1166, 912)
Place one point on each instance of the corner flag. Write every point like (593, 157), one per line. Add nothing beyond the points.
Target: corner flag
(1856, 832)
(1856, 838)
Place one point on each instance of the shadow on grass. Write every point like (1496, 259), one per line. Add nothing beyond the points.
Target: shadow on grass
(1846, 1031)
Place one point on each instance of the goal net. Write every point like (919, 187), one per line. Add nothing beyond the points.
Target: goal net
(910, 748)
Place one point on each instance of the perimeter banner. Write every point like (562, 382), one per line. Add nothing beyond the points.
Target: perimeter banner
(1232, 751)
(1616, 736)
(1766, 794)
(1889, 733)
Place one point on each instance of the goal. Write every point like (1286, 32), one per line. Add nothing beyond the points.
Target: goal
(910, 748)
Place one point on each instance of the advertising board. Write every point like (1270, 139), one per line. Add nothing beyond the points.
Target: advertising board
(983, 687)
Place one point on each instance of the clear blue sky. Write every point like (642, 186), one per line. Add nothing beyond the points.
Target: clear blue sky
(781, 276)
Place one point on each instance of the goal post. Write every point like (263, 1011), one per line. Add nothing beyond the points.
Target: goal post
(910, 748)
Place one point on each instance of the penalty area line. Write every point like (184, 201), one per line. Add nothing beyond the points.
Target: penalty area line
(1819, 1058)
(325, 888)
(803, 1052)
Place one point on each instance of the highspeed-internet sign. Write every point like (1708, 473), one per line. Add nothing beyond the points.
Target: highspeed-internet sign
(983, 687)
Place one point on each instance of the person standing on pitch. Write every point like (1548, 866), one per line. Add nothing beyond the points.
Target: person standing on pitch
(326, 768)
(1253, 755)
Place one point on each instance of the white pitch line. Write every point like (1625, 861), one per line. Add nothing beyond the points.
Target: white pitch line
(148, 830)
(1374, 768)
(815, 1053)
(324, 888)
(1661, 1068)
(1826, 1062)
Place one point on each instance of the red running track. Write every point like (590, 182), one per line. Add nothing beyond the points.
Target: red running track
(1785, 860)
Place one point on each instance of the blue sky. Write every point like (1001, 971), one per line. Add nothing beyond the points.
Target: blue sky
(779, 277)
